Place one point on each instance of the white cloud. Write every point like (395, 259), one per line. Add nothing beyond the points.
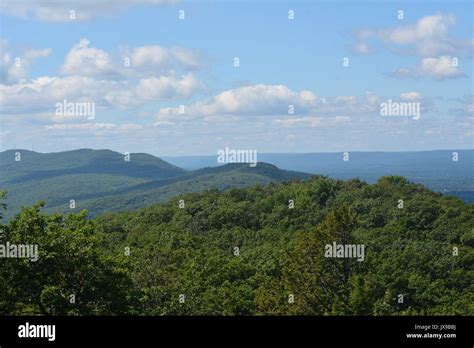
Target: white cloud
(251, 100)
(428, 37)
(300, 121)
(87, 61)
(59, 11)
(15, 62)
(94, 126)
(167, 87)
(41, 94)
(150, 57)
(160, 58)
(92, 75)
(342, 119)
(154, 89)
(143, 61)
(410, 96)
(258, 102)
(188, 58)
(439, 68)
(372, 99)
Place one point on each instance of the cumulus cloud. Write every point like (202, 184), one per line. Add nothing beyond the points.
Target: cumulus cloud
(41, 94)
(15, 62)
(87, 61)
(159, 58)
(155, 89)
(261, 101)
(137, 62)
(428, 37)
(251, 100)
(440, 68)
(60, 11)
(90, 74)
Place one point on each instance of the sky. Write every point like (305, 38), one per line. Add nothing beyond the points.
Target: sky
(162, 77)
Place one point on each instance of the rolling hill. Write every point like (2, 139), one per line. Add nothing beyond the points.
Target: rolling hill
(102, 181)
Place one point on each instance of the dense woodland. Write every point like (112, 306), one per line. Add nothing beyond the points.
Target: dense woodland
(248, 251)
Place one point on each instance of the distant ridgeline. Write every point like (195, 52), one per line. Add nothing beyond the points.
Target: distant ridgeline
(107, 181)
(446, 171)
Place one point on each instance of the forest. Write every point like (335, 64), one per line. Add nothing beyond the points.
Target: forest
(256, 250)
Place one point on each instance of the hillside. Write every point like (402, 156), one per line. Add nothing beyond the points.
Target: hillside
(102, 181)
(221, 178)
(35, 166)
(250, 252)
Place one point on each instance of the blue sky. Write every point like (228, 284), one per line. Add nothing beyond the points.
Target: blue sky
(283, 62)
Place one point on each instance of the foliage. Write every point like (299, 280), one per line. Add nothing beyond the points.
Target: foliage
(247, 251)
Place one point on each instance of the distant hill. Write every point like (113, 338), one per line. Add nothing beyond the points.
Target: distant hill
(102, 181)
(34, 165)
(434, 169)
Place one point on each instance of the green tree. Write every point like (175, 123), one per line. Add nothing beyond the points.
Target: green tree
(72, 274)
(322, 284)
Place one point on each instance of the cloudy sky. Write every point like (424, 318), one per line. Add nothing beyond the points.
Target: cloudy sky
(163, 75)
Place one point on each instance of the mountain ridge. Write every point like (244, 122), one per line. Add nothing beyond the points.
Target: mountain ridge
(101, 180)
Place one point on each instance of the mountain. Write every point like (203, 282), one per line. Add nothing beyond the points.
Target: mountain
(103, 181)
(434, 169)
(33, 165)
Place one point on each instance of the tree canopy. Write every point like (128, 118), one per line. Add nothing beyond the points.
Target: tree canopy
(251, 251)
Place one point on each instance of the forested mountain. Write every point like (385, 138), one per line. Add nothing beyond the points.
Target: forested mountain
(84, 161)
(104, 181)
(252, 251)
